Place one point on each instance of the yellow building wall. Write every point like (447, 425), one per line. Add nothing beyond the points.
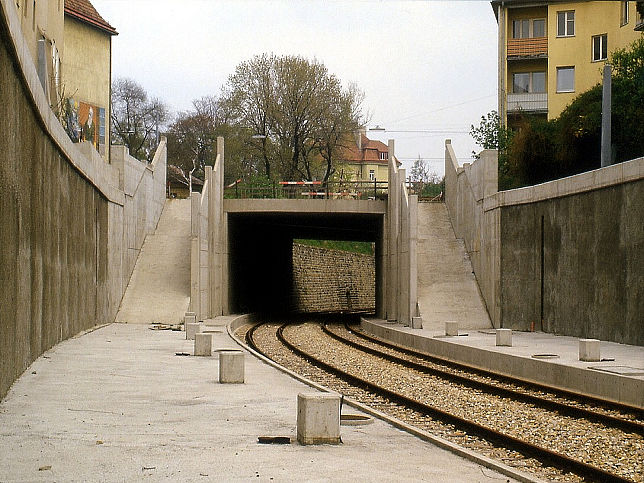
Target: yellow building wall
(591, 18)
(360, 172)
(536, 65)
(87, 69)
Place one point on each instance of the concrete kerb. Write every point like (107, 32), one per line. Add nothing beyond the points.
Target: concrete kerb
(489, 463)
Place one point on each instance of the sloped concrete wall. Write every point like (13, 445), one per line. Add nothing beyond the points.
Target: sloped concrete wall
(565, 257)
(65, 222)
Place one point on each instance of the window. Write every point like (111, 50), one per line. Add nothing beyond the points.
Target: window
(624, 15)
(539, 28)
(384, 156)
(566, 23)
(528, 82)
(565, 79)
(372, 175)
(527, 28)
(600, 49)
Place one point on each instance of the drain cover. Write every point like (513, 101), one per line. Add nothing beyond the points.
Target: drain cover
(622, 370)
(274, 440)
(354, 419)
(545, 356)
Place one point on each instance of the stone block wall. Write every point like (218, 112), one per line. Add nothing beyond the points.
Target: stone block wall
(327, 280)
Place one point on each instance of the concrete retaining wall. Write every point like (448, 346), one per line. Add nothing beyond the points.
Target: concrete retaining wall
(327, 280)
(564, 257)
(69, 230)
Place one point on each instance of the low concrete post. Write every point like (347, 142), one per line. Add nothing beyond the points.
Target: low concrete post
(231, 367)
(504, 337)
(192, 329)
(189, 318)
(203, 344)
(451, 327)
(318, 418)
(589, 350)
(416, 322)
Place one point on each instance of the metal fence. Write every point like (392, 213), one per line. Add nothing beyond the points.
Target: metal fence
(357, 190)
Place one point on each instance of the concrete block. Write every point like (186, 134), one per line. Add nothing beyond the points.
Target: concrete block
(192, 329)
(451, 327)
(416, 322)
(589, 350)
(231, 367)
(504, 337)
(189, 318)
(318, 418)
(203, 344)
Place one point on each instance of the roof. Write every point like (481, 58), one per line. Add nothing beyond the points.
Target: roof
(84, 11)
(370, 152)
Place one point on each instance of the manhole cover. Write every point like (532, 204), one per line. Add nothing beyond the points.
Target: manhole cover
(545, 356)
(622, 370)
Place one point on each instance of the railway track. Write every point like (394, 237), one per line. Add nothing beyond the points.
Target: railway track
(405, 383)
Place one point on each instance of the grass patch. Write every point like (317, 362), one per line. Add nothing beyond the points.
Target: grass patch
(366, 248)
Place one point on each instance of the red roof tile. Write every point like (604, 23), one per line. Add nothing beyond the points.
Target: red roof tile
(84, 11)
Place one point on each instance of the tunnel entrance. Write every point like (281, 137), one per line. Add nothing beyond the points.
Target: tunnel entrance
(261, 261)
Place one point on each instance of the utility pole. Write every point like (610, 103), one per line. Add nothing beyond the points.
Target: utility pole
(606, 150)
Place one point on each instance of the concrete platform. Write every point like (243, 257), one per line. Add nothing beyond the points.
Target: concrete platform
(117, 404)
(618, 377)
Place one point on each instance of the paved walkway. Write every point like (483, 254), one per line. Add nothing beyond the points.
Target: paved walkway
(117, 404)
(447, 287)
(159, 289)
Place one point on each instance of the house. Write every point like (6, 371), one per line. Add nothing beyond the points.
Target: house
(87, 74)
(365, 160)
(552, 51)
(42, 27)
(71, 46)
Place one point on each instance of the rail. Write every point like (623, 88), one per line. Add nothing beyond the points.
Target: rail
(357, 190)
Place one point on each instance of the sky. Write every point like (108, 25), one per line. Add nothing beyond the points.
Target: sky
(428, 69)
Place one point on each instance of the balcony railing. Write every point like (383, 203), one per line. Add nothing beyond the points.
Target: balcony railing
(530, 47)
(530, 102)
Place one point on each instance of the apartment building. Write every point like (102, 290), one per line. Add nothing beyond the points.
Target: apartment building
(552, 51)
(366, 160)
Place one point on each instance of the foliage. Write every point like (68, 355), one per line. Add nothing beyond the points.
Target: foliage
(299, 112)
(426, 183)
(136, 119)
(489, 134)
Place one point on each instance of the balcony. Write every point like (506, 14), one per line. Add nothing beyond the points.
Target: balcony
(531, 102)
(533, 47)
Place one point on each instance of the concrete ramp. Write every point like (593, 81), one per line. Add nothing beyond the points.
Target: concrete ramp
(159, 289)
(447, 287)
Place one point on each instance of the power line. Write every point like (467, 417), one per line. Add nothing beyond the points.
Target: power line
(444, 108)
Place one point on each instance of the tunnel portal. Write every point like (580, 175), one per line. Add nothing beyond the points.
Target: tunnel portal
(260, 253)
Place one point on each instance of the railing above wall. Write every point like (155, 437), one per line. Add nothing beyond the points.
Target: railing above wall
(357, 190)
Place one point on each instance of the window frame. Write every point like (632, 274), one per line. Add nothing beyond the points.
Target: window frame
(372, 175)
(530, 75)
(566, 33)
(603, 47)
(561, 68)
(623, 14)
(530, 33)
(384, 155)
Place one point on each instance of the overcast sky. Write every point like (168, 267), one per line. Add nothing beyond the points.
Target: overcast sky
(423, 65)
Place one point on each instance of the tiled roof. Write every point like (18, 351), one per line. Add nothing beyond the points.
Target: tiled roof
(370, 152)
(84, 11)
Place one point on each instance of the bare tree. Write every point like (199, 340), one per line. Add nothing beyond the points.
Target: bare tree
(298, 111)
(136, 120)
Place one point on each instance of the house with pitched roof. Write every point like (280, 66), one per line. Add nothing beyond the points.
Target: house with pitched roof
(365, 160)
(87, 74)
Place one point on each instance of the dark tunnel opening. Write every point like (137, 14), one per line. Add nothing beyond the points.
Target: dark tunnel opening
(261, 254)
